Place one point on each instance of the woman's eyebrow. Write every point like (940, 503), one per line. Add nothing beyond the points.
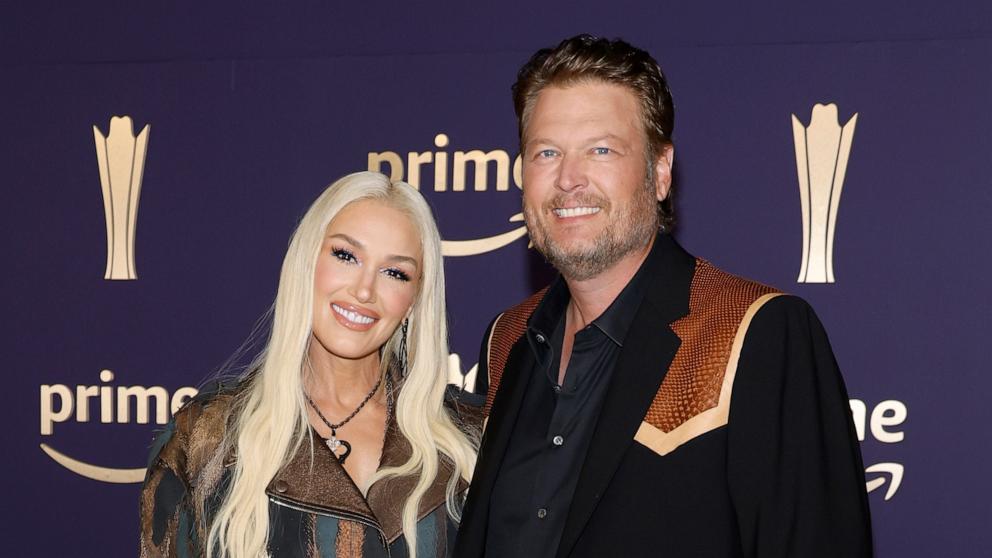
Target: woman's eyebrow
(406, 259)
(347, 239)
(390, 257)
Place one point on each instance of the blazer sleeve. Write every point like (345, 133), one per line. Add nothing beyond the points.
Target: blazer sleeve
(167, 526)
(794, 465)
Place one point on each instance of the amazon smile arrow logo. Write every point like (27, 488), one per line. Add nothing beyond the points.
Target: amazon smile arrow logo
(95, 472)
(894, 472)
(483, 245)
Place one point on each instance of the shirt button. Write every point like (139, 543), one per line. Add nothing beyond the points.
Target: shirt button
(542, 513)
(540, 338)
(558, 440)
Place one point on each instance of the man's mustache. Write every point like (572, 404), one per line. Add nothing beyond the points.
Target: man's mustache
(584, 199)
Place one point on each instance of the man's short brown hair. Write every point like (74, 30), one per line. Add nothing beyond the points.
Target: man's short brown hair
(585, 57)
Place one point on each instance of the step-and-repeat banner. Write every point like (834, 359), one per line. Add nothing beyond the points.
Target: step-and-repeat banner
(151, 180)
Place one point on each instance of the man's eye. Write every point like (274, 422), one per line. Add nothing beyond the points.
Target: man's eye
(546, 153)
(397, 274)
(344, 255)
(601, 150)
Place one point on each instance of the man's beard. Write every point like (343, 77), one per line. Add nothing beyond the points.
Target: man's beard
(630, 228)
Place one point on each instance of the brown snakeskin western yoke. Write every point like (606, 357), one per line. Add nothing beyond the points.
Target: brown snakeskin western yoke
(694, 397)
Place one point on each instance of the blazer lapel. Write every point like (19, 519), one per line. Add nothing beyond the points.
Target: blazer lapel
(502, 419)
(643, 362)
(639, 371)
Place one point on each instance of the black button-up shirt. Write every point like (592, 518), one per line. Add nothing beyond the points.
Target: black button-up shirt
(534, 487)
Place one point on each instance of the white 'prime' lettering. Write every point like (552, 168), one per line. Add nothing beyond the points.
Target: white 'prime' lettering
(887, 413)
(475, 159)
(58, 401)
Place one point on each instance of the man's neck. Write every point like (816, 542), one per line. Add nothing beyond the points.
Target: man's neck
(591, 297)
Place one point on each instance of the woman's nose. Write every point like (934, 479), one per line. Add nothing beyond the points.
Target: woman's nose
(363, 289)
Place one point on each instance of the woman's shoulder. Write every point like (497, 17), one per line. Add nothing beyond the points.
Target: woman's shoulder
(187, 455)
(198, 429)
(212, 404)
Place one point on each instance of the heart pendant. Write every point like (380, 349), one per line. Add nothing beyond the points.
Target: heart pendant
(334, 445)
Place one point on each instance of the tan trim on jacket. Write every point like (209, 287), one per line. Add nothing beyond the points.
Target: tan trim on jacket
(662, 442)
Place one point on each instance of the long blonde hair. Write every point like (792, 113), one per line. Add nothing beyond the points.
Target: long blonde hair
(269, 421)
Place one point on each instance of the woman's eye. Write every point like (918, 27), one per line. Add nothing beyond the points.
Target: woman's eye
(344, 255)
(397, 274)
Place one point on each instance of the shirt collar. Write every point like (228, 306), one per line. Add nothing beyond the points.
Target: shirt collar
(615, 321)
(542, 323)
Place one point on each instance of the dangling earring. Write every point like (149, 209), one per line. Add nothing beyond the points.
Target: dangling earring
(403, 359)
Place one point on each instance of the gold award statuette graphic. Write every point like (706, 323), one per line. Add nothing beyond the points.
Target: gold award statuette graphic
(822, 151)
(121, 158)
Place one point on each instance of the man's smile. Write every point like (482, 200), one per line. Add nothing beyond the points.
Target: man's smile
(564, 213)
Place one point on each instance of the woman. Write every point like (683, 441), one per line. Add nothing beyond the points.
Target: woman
(339, 442)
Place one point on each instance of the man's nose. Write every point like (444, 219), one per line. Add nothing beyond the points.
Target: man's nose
(571, 174)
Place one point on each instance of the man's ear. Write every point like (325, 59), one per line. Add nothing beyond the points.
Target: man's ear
(663, 171)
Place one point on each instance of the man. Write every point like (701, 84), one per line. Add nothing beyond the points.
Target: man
(647, 403)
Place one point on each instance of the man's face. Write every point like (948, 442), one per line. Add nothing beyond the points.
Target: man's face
(588, 198)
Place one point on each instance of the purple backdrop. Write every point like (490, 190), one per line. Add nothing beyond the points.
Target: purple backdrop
(253, 110)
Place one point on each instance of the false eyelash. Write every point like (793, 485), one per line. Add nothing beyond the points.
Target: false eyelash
(348, 257)
(397, 274)
(344, 255)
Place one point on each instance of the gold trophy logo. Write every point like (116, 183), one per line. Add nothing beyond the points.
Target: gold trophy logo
(121, 157)
(822, 151)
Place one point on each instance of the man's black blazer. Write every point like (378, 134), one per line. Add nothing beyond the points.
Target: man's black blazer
(726, 430)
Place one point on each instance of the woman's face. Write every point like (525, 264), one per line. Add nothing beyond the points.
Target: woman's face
(367, 278)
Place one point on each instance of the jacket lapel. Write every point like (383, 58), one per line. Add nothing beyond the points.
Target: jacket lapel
(647, 352)
(317, 483)
(502, 419)
(387, 496)
(323, 486)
